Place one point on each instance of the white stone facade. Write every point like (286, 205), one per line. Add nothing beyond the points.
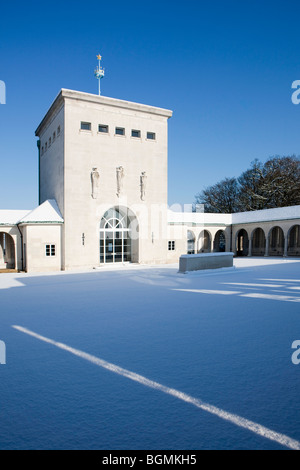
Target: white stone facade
(103, 184)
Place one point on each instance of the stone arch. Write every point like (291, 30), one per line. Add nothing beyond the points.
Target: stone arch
(258, 242)
(294, 241)
(7, 251)
(204, 241)
(242, 243)
(191, 242)
(220, 242)
(276, 241)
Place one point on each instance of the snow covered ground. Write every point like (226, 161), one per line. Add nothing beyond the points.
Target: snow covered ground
(142, 357)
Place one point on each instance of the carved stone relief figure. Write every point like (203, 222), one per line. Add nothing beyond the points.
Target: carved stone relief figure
(95, 178)
(120, 178)
(143, 180)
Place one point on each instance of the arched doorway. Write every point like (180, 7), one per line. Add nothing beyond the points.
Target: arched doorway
(191, 239)
(220, 242)
(276, 242)
(294, 241)
(7, 251)
(258, 242)
(115, 237)
(205, 242)
(242, 243)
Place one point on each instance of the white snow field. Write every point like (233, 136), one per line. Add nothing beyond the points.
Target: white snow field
(142, 357)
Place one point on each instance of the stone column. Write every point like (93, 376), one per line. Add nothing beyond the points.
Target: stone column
(212, 244)
(267, 246)
(250, 247)
(233, 243)
(286, 246)
(2, 265)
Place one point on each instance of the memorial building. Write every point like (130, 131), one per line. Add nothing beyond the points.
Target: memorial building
(103, 197)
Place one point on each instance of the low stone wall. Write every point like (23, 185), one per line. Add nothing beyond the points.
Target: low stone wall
(205, 261)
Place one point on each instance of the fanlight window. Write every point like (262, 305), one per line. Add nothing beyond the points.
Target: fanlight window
(115, 241)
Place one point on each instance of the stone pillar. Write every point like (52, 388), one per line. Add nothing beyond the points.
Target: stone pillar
(2, 265)
(196, 244)
(211, 244)
(250, 247)
(233, 243)
(286, 246)
(267, 246)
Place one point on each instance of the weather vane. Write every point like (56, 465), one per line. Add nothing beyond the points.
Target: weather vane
(99, 72)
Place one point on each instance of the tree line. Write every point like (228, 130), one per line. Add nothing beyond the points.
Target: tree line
(275, 183)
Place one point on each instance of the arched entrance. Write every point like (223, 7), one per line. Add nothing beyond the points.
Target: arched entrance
(294, 241)
(220, 242)
(258, 242)
(7, 251)
(115, 237)
(242, 243)
(190, 243)
(205, 242)
(276, 242)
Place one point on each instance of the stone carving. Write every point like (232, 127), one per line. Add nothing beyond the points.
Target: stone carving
(95, 177)
(143, 180)
(120, 178)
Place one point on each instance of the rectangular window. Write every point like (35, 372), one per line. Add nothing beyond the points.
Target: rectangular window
(86, 126)
(54, 136)
(120, 131)
(135, 133)
(103, 129)
(50, 250)
(58, 130)
(171, 245)
(151, 136)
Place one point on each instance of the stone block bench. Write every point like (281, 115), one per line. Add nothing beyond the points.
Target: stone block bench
(203, 261)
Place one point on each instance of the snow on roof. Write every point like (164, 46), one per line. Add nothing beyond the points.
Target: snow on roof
(48, 212)
(12, 217)
(267, 215)
(191, 218)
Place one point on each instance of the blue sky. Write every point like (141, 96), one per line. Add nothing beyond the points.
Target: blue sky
(225, 68)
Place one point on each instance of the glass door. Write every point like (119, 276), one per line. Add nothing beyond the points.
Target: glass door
(115, 242)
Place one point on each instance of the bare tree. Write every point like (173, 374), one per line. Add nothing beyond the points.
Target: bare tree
(275, 183)
(220, 198)
(281, 182)
(251, 193)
